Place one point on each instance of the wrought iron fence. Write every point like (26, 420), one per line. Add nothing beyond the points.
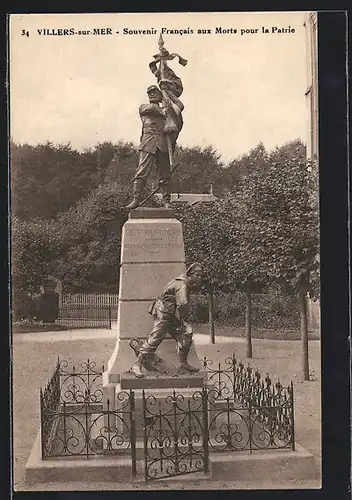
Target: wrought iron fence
(236, 410)
(74, 420)
(175, 434)
(82, 316)
(49, 403)
(247, 412)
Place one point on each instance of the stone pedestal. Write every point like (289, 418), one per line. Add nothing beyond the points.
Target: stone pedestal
(152, 254)
(157, 391)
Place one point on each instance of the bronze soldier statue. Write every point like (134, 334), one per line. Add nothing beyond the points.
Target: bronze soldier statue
(161, 124)
(153, 148)
(171, 314)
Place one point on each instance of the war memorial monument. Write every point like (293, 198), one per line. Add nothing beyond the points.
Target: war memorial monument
(157, 411)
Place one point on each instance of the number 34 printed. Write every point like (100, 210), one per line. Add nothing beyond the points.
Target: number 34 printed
(25, 32)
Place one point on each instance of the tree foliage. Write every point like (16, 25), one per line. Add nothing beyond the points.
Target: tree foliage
(263, 230)
(239, 168)
(208, 231)
(91, 239)
(278, 232)
(201, 168)
(34, 250)
(267, 231)
(49, 179)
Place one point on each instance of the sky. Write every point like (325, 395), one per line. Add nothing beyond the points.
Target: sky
(239, 89)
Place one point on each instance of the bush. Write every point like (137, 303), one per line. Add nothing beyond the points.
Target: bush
(199, 311)
(23, 306)
(273, 311)
(48, 310)
(276, 311)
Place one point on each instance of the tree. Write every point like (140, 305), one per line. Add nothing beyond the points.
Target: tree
(246, 261)
(116, 162)
(244, 255)
(49, 179)
(207, 229)
(199, 169)
(239, 168)
(277, 236)
(35, 246)
(90, 234)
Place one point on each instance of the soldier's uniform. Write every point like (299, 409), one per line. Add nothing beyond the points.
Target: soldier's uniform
(152, 150)
(153, 147)
(170, 312)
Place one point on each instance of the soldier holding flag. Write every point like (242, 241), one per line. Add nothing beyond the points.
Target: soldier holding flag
(161, 125)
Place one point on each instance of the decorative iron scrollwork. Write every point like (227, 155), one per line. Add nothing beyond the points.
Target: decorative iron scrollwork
(236, 410)
(174, 441)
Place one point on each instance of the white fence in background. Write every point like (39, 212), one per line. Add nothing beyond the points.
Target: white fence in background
(111, 300)
(90, 299)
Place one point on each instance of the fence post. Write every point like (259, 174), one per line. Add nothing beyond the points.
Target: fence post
(292, 418)
(42, 437)
(205, 429)
(145, 436)
(248, 323)
(133, 434)
(250, 428)
(109, 316)
(211, 314)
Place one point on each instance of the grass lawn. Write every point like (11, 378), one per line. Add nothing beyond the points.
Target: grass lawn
(33, 364)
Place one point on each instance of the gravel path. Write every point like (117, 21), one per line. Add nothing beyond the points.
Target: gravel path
(35, 355)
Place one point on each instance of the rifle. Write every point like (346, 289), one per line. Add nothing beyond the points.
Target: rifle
(175, 167)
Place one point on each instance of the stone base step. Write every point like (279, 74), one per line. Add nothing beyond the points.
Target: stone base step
(266, 465)
(274, 465)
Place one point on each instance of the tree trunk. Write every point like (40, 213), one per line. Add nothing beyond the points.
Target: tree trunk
(211, 314)
(248, 323)
(304, 333)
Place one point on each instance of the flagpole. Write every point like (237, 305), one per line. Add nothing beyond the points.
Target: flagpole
(161, 67)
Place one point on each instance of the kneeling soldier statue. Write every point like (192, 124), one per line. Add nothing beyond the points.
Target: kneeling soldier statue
(171, 312)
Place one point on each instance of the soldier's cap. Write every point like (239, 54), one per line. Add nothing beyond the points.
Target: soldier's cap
(153, 87)
(192, 267)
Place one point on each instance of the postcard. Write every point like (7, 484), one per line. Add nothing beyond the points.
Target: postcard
(165, 251)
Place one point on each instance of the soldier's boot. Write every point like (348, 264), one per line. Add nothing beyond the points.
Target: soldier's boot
(167, 201)
(138, 365)
(182, 356)
(138, 187)
(135, 345)
(165, 192)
